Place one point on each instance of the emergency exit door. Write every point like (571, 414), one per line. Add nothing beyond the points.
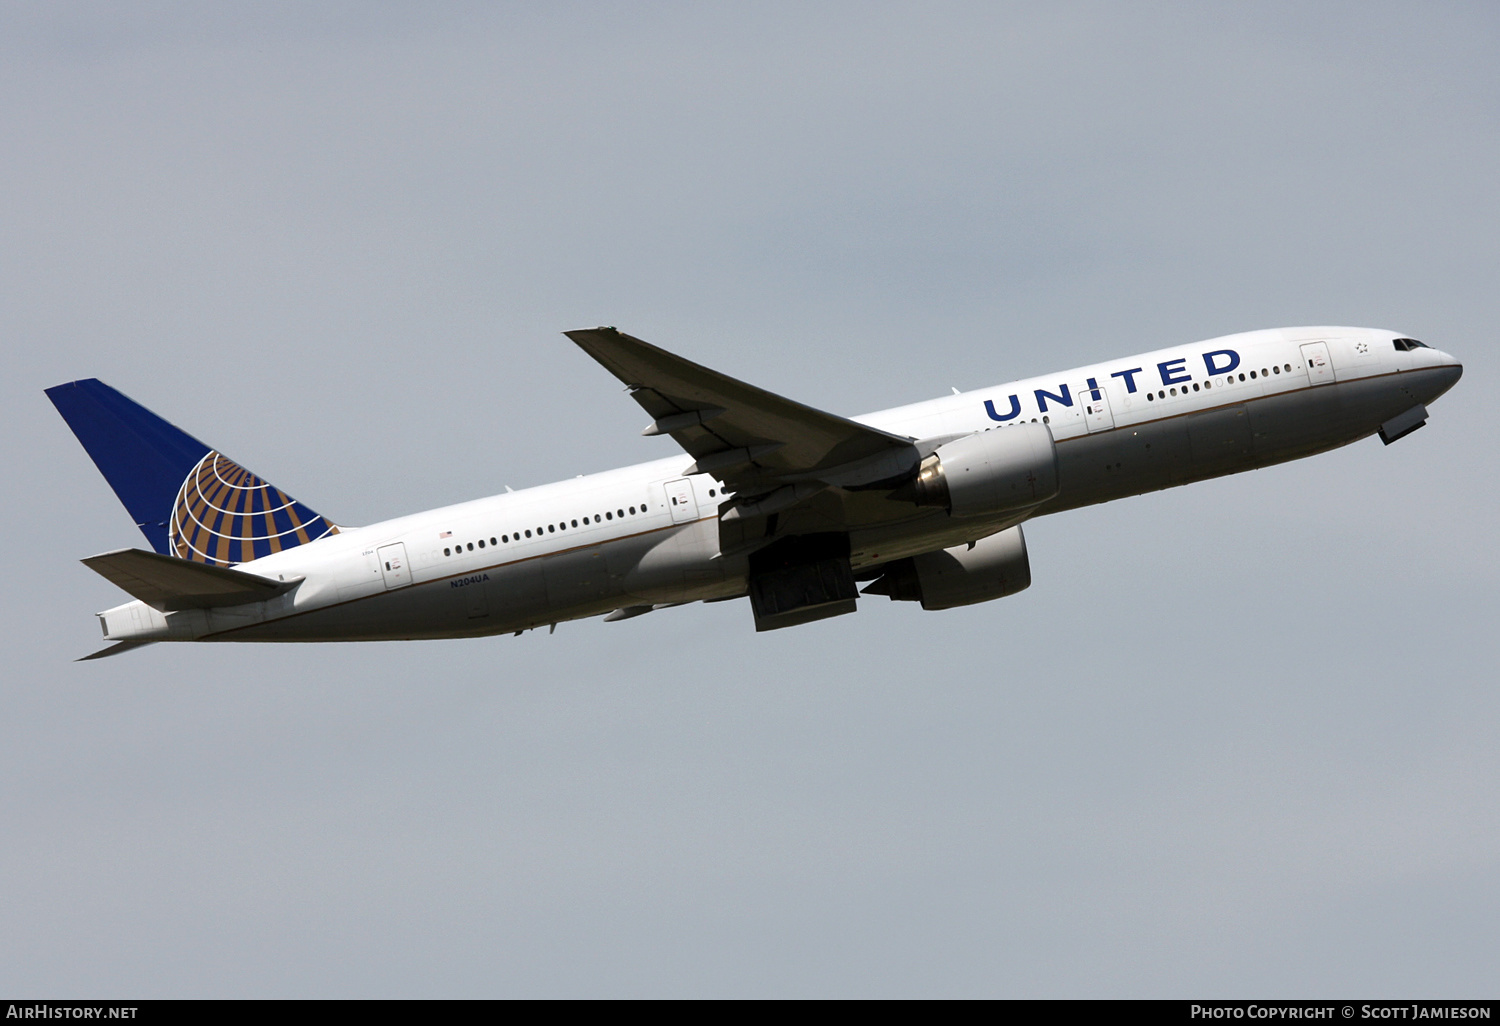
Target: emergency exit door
(393, 568)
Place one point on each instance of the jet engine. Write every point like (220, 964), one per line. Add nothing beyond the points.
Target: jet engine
(988, 472)
(990, 568)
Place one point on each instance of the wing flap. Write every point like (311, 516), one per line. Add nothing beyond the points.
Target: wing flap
(167, 583)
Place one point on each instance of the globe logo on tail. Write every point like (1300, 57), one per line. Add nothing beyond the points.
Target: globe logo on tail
(226, 515)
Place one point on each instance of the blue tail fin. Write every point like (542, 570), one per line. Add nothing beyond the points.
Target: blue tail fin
(188, 500)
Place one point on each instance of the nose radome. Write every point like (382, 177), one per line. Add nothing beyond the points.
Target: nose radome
(1449, 362)
(1448, 373)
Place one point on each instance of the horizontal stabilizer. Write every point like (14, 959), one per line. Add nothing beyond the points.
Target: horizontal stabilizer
(115, 649)
(167, 583)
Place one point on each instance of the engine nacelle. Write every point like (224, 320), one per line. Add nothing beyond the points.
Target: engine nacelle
(993, 471)
(991, 568)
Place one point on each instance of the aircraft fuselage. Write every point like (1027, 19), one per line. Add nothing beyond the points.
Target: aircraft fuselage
(650, 535)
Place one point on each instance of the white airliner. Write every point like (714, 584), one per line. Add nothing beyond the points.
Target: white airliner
(773, 500)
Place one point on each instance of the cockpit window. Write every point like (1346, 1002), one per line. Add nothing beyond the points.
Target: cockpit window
(1408, 344)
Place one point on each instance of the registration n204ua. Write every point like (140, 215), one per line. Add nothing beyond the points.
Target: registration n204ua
(799, 510)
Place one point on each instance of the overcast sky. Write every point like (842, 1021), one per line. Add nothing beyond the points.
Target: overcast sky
(1238, 739)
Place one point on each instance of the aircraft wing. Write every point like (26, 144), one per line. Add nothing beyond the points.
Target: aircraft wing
(771, 451)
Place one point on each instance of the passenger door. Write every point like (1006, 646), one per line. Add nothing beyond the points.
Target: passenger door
(1319, 366)
(393, 568)
(680, 500)
(1095, 405)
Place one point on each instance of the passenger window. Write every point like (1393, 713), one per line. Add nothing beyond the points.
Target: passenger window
(609, 516)
(1150, 397)
(528, 533)
(632, 511)
(1276, 369)
(446, 552)
(481, 543)
(1288, 368)
(1242, 377)
(596, 518)
(621, 512)
(551, 529)
(505, 539)
(575, 523)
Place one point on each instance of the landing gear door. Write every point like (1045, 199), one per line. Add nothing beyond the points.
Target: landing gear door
(1319, 367)
(1095, 405)
(393, 566)
(680, 500)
